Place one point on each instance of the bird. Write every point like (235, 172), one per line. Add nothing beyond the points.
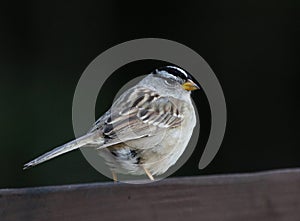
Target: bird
(146, 129)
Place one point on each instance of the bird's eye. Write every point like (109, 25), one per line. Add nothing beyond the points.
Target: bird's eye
(169, 83)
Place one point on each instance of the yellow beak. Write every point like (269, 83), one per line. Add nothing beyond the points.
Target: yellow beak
(190, 86)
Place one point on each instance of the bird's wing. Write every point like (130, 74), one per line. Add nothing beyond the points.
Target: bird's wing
(139, 112)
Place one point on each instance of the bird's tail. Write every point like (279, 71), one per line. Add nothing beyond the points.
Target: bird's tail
(72, 145)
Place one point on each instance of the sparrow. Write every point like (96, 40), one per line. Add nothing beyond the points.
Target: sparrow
(146, 129)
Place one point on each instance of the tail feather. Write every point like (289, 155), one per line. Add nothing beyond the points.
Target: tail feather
(72, 145)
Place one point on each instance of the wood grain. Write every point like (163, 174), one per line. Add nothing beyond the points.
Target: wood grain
(273, 195)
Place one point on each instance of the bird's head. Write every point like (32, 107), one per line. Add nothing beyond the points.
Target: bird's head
(172, 75)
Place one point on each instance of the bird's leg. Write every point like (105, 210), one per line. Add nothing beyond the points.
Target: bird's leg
(148, 174)
(114, 176)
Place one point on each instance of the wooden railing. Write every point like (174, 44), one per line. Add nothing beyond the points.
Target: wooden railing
(273, 195)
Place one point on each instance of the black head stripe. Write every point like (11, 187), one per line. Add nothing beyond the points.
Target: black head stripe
(175, 73)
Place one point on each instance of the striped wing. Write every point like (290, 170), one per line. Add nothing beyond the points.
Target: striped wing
(139, 112)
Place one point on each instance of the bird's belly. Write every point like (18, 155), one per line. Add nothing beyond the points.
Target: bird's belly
(157, 158)
(166, 154)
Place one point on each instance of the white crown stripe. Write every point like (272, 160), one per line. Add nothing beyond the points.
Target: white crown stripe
(178, 69)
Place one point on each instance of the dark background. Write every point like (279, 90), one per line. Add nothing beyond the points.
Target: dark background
(252, 46)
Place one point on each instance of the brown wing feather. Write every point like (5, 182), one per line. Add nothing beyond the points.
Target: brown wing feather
(138, 113)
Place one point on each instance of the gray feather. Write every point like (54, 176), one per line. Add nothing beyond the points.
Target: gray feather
(72, 145)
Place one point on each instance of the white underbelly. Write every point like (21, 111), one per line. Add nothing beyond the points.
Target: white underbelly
(160, 157)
